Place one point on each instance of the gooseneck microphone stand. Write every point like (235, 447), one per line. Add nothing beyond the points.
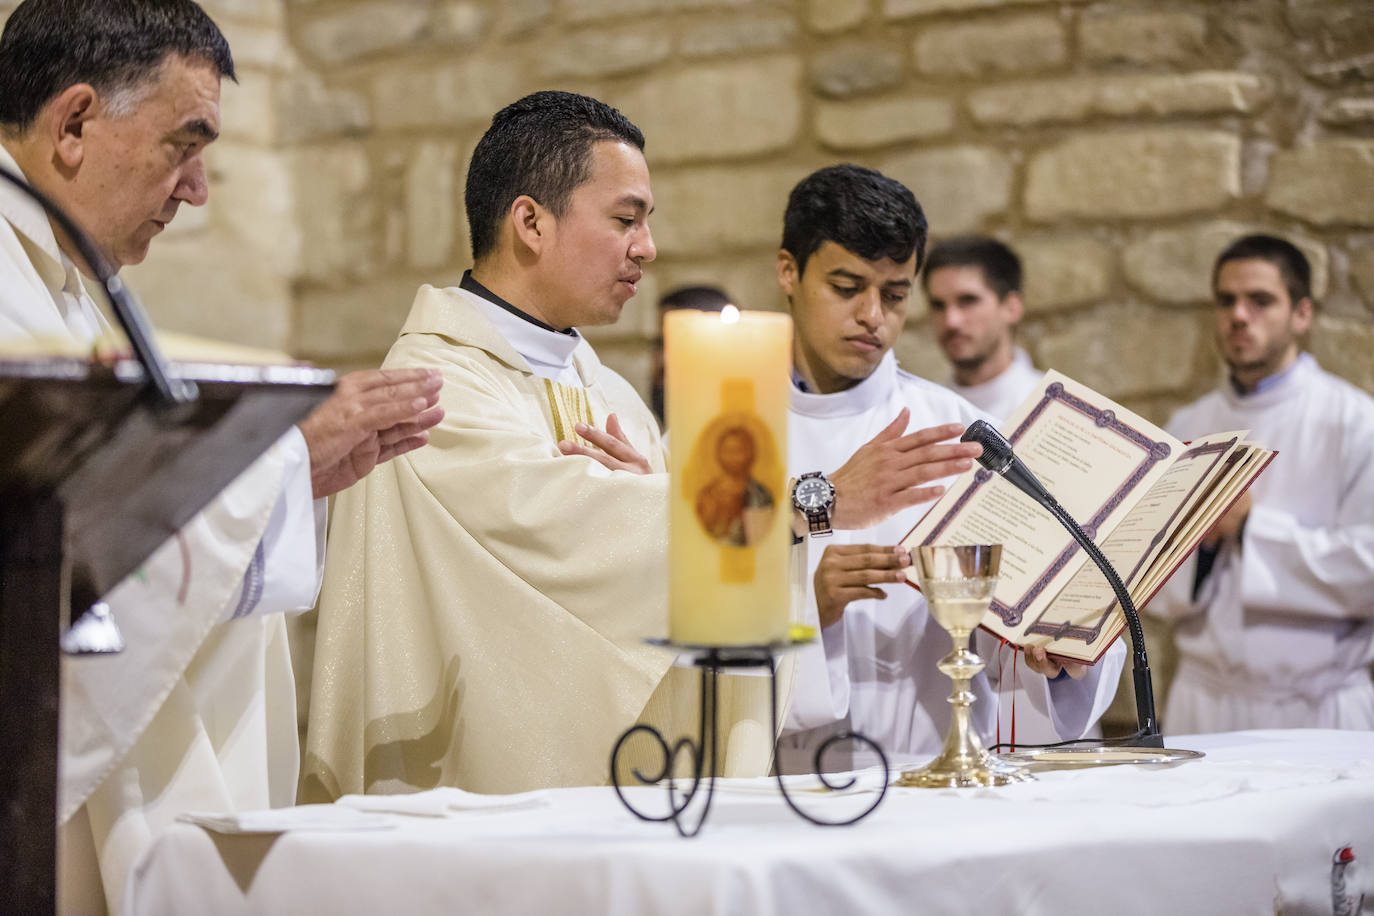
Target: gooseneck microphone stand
(999, 458)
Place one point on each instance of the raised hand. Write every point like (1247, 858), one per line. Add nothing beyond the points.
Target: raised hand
(850, 572)
(613, 449)
(891, 471)
(372, 416)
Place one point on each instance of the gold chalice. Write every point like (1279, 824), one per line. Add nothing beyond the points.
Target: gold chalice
(958, 583)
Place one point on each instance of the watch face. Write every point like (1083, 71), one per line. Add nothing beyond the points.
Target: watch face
(813, 493)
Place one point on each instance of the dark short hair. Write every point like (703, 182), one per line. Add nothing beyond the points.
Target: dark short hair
(49, 45)
(858, 209)
(540, 146)
(1283, 254)
(1000, 266)
(701, 298)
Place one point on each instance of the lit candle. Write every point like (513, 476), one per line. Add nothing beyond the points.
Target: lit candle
(729, 524)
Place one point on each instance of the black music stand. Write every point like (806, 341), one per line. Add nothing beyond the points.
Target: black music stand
(96, 472)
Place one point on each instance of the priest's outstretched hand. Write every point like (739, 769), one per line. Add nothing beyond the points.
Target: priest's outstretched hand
(1039, 661)
(893, 471)
(372, 416)
(850, 572)
(613, 449)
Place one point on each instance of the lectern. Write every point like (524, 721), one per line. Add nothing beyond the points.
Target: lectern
(99, 465)
(95, 474)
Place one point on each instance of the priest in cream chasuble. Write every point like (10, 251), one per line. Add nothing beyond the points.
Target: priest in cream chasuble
(486, 599)
(485, 604)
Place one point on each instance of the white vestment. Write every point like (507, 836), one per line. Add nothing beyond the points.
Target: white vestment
(999, 396)
(487, 599)
(198, 711)
(875, 670)
(1281, 633)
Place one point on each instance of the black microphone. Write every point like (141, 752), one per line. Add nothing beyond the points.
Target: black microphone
(999, 458)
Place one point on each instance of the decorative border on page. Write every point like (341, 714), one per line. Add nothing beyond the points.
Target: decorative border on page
(1155, 452)
(1066, 629)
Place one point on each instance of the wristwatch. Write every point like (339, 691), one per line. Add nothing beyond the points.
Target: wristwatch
(814, 496)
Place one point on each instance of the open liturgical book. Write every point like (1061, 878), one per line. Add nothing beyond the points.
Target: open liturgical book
(1143, 496)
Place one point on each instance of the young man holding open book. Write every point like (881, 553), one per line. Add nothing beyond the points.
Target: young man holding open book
(853, 241)
(1276, 615)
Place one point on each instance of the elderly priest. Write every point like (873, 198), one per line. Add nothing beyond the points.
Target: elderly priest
(107, 108)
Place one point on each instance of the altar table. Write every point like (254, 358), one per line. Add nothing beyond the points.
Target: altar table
(1257, 826)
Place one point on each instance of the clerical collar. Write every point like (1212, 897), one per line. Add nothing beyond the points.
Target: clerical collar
(549, 353)
(472, 286)
(867, 394)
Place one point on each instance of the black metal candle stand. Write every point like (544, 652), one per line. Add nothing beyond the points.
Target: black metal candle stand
(712, 660)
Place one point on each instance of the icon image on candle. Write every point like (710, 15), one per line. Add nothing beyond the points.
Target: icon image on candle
(732, 501)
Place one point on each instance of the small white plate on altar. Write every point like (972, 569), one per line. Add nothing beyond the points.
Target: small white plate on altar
(1056, 757)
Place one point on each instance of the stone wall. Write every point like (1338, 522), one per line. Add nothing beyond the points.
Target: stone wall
(1117, 144)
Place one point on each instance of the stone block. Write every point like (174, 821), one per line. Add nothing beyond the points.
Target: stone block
(335, 211)
(579, 11)
(603, 52)
(706, 210)
(462, 92)
(1175, 265)
(1329, 183)
(1348, 112)
(347, 322)
(1009, 44)
(431, 195)
(631, 360)
(869, 123)
(306, 108)
(1125, 350)
(826, 16)
(268, 11)
(253, 194)
(1061, 271)
(906, 9)
(1079, 98)
(260, 47)
(957, 186)
(517, 17)
(248, 108)
(1362, 273)
(355, 31)
(214, 286)
(855, 68)
(458, 22)
(716, 111)
(1342, 346)
(762, 32)
(919, 353)
(1134, 174)
(1113, 37)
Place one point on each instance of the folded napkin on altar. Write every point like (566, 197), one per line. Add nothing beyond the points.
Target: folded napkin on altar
(283, 820)
(443, 802)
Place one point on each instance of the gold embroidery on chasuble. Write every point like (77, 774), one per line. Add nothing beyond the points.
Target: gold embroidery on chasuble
(568, 406)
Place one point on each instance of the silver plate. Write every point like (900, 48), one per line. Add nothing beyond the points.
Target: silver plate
(1057, 757)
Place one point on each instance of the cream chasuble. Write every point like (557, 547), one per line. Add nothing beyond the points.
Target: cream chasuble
(486, 599)
(181, 719)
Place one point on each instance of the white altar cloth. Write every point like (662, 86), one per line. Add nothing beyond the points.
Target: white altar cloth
(1254, 827)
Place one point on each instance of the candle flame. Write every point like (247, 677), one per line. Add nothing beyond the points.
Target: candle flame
(729, 315)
